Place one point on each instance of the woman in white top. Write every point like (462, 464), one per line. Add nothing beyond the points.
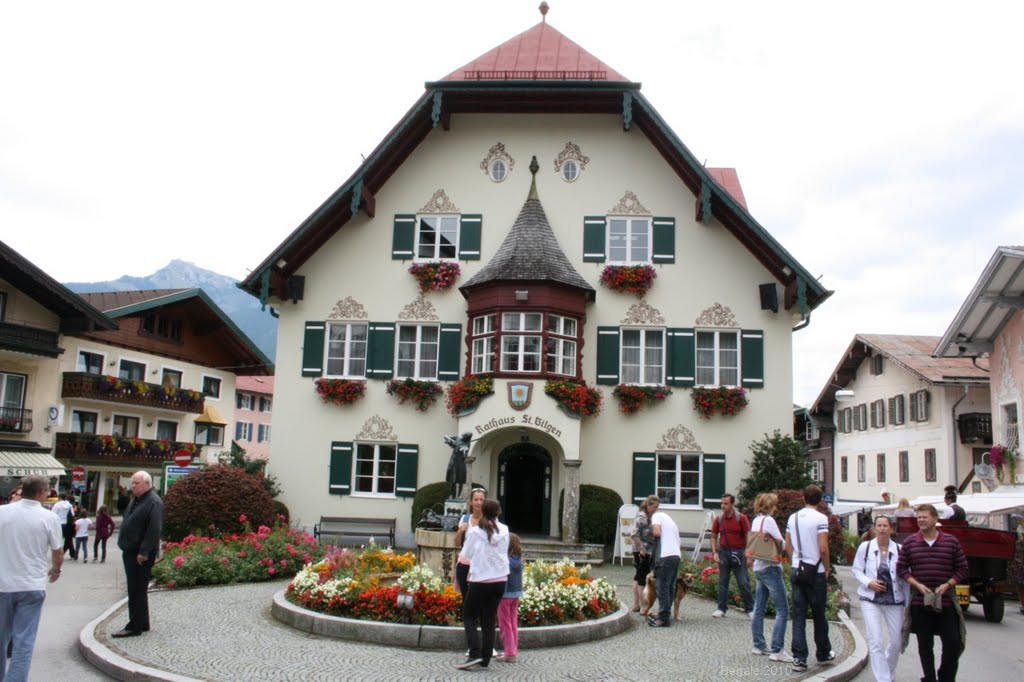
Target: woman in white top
(769, 583)
(469, 520)
(486, 549)
(883, 597)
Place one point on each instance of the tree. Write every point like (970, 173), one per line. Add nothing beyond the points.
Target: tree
(779, 463)
(254, 467)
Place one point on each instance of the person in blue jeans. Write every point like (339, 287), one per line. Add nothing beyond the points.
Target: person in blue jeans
(728, 547)
(769, 582)
(807, 542)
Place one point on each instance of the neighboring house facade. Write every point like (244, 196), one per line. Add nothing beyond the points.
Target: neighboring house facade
(991, 323)
(817, 433)
(35, 310)
(914, 424)
(609, 184)
(254, 400)
(163, 381)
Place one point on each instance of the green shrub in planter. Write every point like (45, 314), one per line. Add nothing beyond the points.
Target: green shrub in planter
(213, 501)
(599, 513)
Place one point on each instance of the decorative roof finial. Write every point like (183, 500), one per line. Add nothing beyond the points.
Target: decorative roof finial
(534, 167)
(543, 12)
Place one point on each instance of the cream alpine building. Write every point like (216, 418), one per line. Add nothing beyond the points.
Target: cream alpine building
(534, 167)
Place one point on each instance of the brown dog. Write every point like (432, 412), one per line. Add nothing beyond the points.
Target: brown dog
(683, 583)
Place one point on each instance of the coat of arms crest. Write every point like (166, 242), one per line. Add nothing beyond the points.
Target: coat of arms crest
(519, 394)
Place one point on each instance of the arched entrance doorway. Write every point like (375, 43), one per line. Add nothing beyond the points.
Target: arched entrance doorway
(524, 488)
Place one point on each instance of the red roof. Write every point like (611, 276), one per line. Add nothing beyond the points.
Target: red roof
(540, 53)
(730, 182)
(255, 384)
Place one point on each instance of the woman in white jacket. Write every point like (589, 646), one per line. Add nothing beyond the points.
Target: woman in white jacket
(883, 597)
(486, 547)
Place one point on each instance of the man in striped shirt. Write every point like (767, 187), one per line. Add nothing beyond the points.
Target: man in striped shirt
(933, 562)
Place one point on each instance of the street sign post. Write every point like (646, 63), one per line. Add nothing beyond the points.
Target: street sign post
(78, 474)
(172, 473)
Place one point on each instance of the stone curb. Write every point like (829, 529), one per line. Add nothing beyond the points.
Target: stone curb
(103, 657)
(850, 666)
(440, 637)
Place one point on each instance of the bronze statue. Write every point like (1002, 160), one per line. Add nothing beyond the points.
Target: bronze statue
(456, 474)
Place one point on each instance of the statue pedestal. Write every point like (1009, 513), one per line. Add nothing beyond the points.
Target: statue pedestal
(437, 549)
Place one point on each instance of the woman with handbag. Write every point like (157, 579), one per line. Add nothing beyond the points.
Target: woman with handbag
(883, 598)
(764, 548)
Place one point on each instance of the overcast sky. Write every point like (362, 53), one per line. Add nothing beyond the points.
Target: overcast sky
(882, 143)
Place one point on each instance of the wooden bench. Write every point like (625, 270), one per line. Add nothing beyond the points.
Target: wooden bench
(354, 527)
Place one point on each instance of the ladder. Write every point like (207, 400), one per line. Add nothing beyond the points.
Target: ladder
(699, 544)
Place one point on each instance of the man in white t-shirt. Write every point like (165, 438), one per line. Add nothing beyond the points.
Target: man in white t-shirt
(809, 545)
(666, 562)
(30, 553)
(65, 513)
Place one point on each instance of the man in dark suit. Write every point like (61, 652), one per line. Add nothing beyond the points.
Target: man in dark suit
(139, 540)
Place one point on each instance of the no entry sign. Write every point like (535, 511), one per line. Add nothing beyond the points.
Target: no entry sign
(78, 474)
(183, 458)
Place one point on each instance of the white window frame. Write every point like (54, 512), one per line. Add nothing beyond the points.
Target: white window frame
(156, 428)
(524, 334)
(677, 472)
(165, 369)
(570, 170)
(263, 433)
(632, 223)
(931, 461)
(483, 346)
(878, 413)
(220, 387)
(76, 421)
(376, 475)
(266, 403)
(862, 468)
(419, 348)
(898, 410)
(561, 345)
(79, 365)
(244, 431)
(810, 430)
(844, 469)
(644, 349)
(120, 361)
(719, 366)
(123, 416)
(919, 406)
(209, 429)
(817, 470)
(347, 358)
(903, 466)
(498, 169)
(881, 468)
(860, 417)
(245, 401)
(440, 218)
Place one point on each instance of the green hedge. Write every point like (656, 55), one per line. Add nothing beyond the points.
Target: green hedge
(599, 513)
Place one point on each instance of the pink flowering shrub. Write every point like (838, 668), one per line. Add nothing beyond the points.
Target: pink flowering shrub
(266, 554)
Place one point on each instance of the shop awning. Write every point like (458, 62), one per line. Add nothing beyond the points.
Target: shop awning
(210, 415)
(29, 464)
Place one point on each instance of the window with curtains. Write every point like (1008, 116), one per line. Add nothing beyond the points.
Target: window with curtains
(211, 387)
(124, 426)
(209, 434)
(171, 377)
(346, 349)
(131, 371)
(417, 351)
(89, 362)
(166, 430)
(83, 422)
(678, 477)
(718, 358)
(642, 356)
(375, 467)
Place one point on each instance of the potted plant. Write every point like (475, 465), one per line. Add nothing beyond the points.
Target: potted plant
(462, 396)
(632, 279)
(724, 400)
(633, 398)
(111, 383)
(575, 398)
(435, 275)
(423, 393)
(340, 391)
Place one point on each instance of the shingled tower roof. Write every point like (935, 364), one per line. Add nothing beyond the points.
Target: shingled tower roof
(530, 251)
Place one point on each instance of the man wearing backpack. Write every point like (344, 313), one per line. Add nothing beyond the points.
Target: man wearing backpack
(728, 547)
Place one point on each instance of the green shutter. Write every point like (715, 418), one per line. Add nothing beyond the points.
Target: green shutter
(752, 358)
(380, 350)
(714, 480)
(608, 355)
(664, 240)
(403, 238)
(593, 239)
(469, 236)
(406, 470)
(449, 354)
(644, 472)
(682, 351)
(340, 476)
(313, 349)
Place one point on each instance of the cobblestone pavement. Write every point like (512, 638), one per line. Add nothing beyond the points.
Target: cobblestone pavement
(227, 633)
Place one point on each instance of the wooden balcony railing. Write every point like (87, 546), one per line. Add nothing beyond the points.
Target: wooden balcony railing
(975, 427)
(102, 449)
(15, 420)
(27, 339)
(141, 393)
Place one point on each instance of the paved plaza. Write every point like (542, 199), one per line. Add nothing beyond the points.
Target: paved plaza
(227, 633)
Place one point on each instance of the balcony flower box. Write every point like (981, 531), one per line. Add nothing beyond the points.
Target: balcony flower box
(575, 398)
(726, 401)
(340, 391)
(462, 396)
(631, 279)
(634, 398)
(422, 393)
(435, 275)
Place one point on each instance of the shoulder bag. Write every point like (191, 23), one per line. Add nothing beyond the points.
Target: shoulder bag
(761, 545)
(804, 572)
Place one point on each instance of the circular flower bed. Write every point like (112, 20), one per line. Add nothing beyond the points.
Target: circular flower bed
(348, 583)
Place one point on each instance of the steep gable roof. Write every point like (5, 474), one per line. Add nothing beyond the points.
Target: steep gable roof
(912, 353)
(530, 251)
(537, 93)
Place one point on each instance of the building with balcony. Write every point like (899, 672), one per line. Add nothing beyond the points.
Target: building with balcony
(991, 323)
(254, 400)
(506, 235)
(35, 312)
(162, 381)
(902, 430)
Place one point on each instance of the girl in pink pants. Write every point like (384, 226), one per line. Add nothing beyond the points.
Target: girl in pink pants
(508, 609)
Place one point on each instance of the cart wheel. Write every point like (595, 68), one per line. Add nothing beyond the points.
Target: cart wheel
(993, 607)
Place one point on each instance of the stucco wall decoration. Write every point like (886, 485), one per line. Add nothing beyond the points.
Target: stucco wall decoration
(420, 309)
(439, 203)
(497, 152)
(377, 428)
(643, 313)
(716, 315)
(679, 438)
(571, 151)
(629, 204)
(348, 309)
